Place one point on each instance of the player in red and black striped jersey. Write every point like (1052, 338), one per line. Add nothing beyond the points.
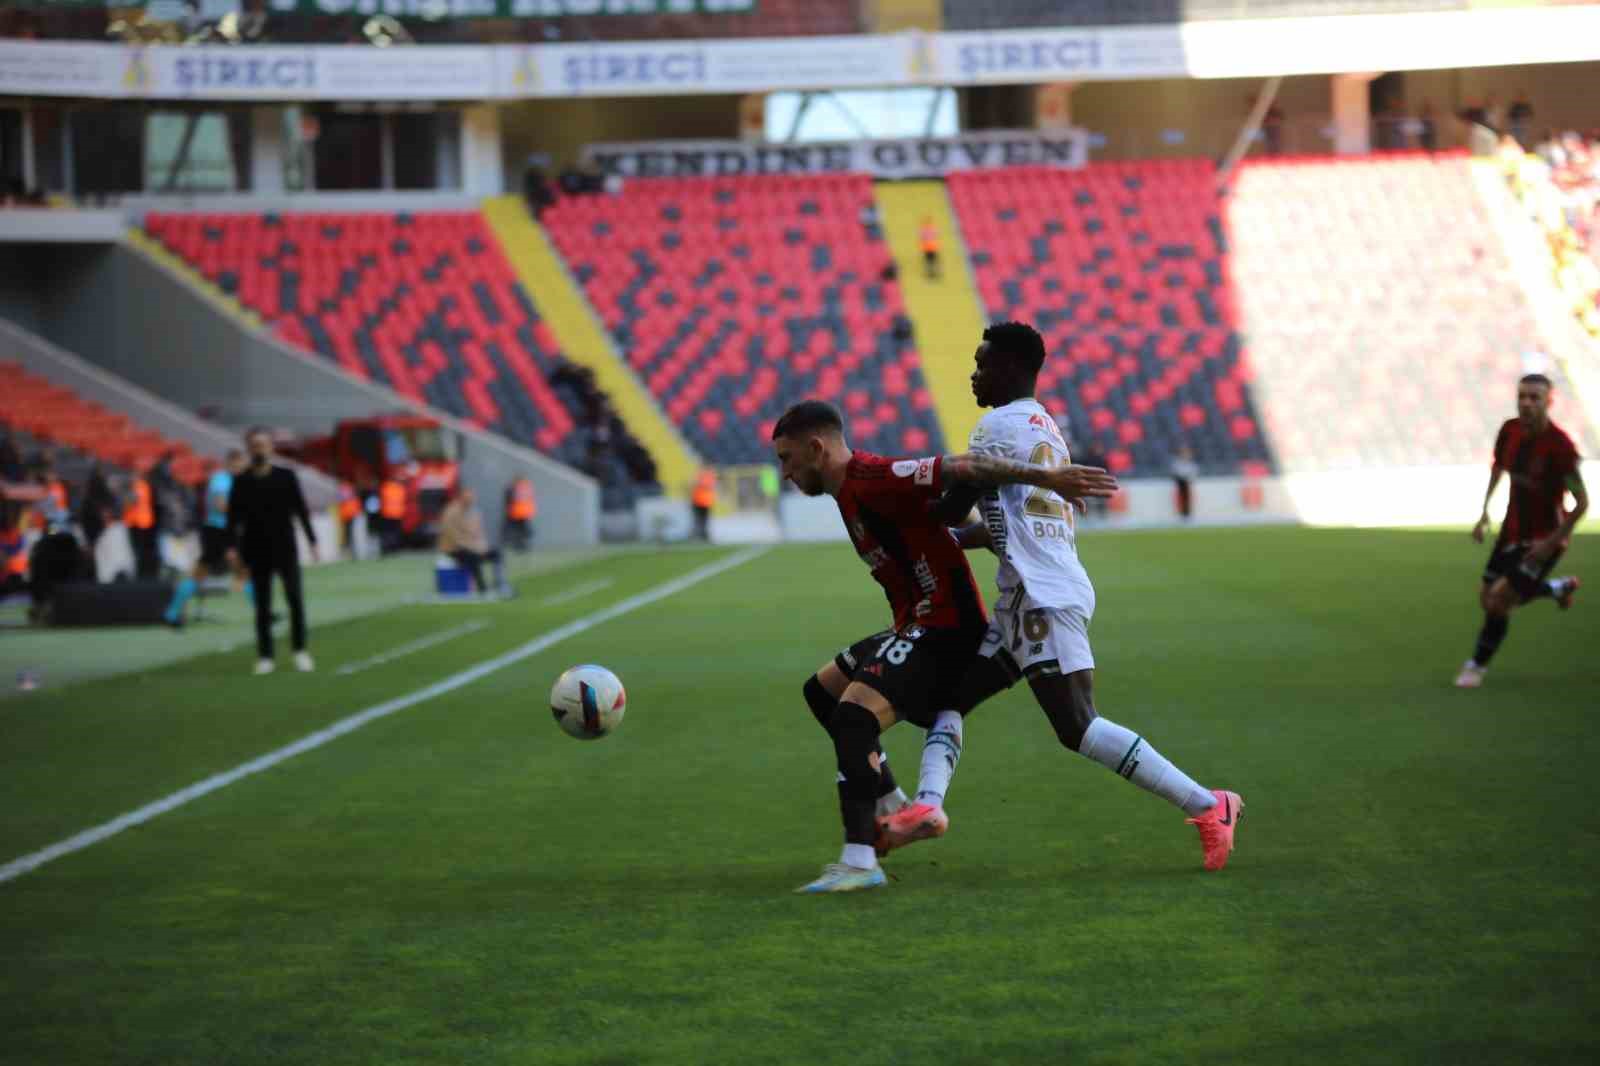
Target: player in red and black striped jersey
(1542, 463)
(939, 620)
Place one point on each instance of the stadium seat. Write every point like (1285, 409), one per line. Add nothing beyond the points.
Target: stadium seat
(425, 304)
(734, 297)
(1386, 325)
(55, 415)
(1122, 268)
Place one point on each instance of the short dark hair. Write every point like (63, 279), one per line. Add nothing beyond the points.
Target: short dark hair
(1019, 340)
(809, 416)
(1536, 379)
(253, 430)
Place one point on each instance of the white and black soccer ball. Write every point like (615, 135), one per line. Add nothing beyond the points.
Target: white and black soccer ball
(588, 702)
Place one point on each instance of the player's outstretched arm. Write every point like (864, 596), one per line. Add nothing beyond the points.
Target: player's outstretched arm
(979, 471)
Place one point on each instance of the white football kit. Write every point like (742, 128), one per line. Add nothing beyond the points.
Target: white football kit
(1041, 617)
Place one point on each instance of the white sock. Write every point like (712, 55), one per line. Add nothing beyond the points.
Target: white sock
(941, 751)
(1557, 586)
(892, 801)
(861, 856)
(1125, 753)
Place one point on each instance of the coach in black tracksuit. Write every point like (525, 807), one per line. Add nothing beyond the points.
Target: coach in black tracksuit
(262, 507)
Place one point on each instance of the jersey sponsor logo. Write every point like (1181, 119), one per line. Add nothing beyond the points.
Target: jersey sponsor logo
(875, 558)
(875, 669)
(1046, 424)
(904, 468)
(924, 472)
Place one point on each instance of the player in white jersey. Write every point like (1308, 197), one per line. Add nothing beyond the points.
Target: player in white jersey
(1041, 620)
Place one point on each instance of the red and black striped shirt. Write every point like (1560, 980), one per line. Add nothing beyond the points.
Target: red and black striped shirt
(1538, 465)
(923, 571)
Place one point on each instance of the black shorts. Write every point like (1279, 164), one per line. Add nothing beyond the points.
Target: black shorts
(214, 545)
(1507, 561)
(917, 669)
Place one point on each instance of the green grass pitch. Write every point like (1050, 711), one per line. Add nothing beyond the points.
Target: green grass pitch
(1416, 878)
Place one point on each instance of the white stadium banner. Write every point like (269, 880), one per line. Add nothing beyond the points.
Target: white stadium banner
(47, 68)
(918, 157)
(1218, 49)
(327, 72)
(648, 68)
(1025, 57)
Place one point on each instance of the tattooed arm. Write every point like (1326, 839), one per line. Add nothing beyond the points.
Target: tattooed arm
(974, 470)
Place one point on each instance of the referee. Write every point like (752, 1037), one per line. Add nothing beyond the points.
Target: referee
(262, 506)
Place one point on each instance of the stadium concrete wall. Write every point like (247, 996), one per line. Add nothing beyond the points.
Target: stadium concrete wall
(145, 322)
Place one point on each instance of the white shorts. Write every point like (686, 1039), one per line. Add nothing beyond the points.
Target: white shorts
(1032, 641)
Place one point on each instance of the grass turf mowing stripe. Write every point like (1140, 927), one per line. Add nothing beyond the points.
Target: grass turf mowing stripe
(27, 863)
(577, 592)
(420, 644)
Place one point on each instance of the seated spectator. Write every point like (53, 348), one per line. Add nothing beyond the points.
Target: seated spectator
(461, 537)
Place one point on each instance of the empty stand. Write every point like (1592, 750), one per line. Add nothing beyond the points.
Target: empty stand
(53, 414)
(1121, 267)
(425, 304)
(734, 297)
(1385, 322)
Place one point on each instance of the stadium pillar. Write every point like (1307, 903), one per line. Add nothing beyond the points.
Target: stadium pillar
(481, 171)
(266, 150)
(1352, 113)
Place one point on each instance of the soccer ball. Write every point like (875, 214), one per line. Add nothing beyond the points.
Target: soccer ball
(588, 702)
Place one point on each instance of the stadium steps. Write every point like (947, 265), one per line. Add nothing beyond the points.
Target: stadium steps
(534, 260)
(946, 314)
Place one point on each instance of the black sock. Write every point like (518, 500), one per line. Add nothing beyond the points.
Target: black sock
(822, 707)
(855, 740)
(1489, 638)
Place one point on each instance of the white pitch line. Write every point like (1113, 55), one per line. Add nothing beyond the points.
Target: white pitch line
(416, 645)
(17, 867)
(578, 591)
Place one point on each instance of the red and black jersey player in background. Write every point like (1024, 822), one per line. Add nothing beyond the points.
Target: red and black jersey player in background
(1542, 463)
(938, 618)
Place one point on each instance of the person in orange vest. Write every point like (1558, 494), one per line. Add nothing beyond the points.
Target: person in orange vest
(703, 499)
(139, 515)
(13, 561)
(928, 240)
(349, 508)
(391, 514)
(55, 508)
(522, 506)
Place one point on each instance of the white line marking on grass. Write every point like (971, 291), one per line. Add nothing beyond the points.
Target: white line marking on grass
(416, 645)
(578, 591)
(17, 867)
